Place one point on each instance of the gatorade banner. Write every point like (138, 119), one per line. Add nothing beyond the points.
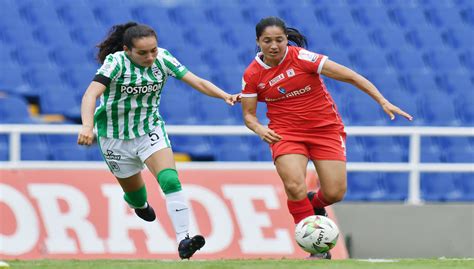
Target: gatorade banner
(80, 214)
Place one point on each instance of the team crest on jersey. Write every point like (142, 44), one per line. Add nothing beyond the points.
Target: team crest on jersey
(276, 79)
(156, 72)
(281, 90)
(307, 55)
(261, 86)
(290, 72)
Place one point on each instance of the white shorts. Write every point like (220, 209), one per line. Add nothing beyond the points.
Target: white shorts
(125, 158)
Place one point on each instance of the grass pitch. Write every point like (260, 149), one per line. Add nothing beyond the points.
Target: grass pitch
(246, 264)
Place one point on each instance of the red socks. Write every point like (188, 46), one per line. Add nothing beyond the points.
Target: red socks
(300, 209)
(319, 201)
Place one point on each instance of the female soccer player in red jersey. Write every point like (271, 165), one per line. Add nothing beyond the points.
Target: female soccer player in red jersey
(304, 121)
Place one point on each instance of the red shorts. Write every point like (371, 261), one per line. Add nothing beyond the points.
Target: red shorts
(326, 145)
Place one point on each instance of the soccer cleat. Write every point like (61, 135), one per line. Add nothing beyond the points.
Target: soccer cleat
(188, 246)
(147, 213)
(317, 211)
(320, 256)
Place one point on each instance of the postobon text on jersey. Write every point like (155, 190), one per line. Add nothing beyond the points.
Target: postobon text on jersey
(139, 89)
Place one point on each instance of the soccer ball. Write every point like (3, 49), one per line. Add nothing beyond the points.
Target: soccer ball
(316, 234)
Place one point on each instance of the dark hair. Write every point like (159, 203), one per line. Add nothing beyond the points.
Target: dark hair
(294, 36)
(120, 35)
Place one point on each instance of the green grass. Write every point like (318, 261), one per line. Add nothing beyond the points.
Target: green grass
(244, 264)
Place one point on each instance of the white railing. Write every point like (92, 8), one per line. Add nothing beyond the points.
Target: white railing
(414, 167)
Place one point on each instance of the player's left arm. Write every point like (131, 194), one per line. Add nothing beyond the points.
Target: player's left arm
(339, 72)
(208, 88)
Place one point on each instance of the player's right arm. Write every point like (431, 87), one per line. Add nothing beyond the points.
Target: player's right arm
(86, 135)
(249, 110)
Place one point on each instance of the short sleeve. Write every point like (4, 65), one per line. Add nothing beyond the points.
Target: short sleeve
(110, 68)
(311, 61)
(173, 66)
(249, 88)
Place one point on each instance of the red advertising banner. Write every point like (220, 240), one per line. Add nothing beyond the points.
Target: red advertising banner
(80, 214)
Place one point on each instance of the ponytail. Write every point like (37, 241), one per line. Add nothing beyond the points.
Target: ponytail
(295, 37)
(122, 35)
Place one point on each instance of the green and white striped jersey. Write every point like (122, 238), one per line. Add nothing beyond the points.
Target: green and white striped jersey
(129, 107)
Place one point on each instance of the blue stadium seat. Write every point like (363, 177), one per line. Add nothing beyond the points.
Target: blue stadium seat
(458, 149)
(240, 35)
(459, 37)
(65, 148)
(150, 14)
(407, 60)
(87, 38)
(41, 77)
(227, 16)
(405, 16)
(10, 34)
(356, 152)
(62, 55)
(369, 60)
(424, 37)
(372, 16)
(12, 81)
(396, 186)
(364, 186)
(4, 147)
(185, 112)
(419, 82)
(351, 36)
(260, 149)
(108, 16)
(59, 100)
(94, 153)
(439, 187)
(363, 110)
(34, 148)
(431, 150)
(299, 15)
(442, 60)
(439, 109)
(232, 148)
(386, 148)
(221, 56)
(198, 147)
(14, 110)
(466, 183)
(467, 14)
(388, 37)
(188, 15)
(216, 111)
(443, 16)
(229, 77)
(335, 16)
(336, 54)
(55, 34)
(457, 83)
(81, 14)
(32, 53)
(37, 12)
(467, 59)
(259, 10)
(385, 82)
(465, 108)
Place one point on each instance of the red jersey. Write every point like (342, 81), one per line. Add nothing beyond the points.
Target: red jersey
(296, 97)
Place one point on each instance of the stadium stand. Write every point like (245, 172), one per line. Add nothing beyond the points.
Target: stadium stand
(418, 52)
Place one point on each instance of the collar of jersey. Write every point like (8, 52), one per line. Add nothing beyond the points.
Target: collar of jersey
(134, 63)
(266, 66)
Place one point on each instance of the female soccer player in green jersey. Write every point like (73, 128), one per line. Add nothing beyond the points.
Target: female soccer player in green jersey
(130, 129)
